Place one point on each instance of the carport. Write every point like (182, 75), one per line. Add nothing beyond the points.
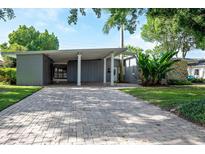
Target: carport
(35, 67)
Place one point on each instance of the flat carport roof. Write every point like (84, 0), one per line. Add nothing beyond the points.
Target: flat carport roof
(71, 54)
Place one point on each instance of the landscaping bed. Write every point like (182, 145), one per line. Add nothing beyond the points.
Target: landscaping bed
(10, 95)
(185, 101)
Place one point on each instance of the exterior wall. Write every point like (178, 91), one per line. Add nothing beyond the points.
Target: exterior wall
(33, 69)
(72, 71)
(47, 70)
(30, 69)
(179, 71)
(91, 70)
(191, 70)
(108, 65)
(131, 71)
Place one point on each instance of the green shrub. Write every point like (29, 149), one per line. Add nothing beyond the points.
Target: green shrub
(196, 80)
(179, 82)
(194, 111)
(154, 67)
(8, 75)
(9, 62)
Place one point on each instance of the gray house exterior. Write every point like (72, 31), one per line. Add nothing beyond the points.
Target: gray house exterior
(131, 69)
(78, 66)
(33, 69)
(91, 70)
(70, 66)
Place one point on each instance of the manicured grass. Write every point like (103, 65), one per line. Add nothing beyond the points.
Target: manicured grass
(186, 101)
(10, 95)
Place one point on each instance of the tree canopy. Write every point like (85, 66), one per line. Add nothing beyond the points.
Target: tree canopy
(117, 17)
(28, 38)
(6, 14)
(168, 32)
(190, 19)
(13, 47)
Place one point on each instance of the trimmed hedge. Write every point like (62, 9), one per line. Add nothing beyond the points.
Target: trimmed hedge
(8, 75)
(196, 80)
(179, 82)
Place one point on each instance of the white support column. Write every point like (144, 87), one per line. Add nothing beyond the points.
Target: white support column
(79, 70)
(112, 70)
(104, 71)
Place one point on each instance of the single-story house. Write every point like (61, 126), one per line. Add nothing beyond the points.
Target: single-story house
(72, 66)
(196, 68)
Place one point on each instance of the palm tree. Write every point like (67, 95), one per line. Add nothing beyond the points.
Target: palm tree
(120, 18)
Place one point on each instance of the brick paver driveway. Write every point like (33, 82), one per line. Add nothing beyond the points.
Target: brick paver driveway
(91, 115)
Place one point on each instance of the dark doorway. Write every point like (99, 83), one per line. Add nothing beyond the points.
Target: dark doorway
(59, 73)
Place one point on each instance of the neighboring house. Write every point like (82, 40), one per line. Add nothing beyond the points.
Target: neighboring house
(73, 66)
(196, 68)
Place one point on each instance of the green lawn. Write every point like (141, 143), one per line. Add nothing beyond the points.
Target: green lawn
(10, 95)
(186, 101)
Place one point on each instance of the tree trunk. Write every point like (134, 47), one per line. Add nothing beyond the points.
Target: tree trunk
(121, 56)
(122, 36)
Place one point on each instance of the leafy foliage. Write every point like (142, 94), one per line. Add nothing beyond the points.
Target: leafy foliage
(193, 111)
(8, 75)
(196, 80)
(154, 68)
(12, 48)
(6, 14)
(133, 51)
(168, 34)
(117, 17)
(9, 62)
(190, 20)
(179, 82)
(73, 14)
(28, 38)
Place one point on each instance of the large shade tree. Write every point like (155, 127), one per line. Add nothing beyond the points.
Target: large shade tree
(120, 18)
(29, 38)
(168, 34)
(190, 19)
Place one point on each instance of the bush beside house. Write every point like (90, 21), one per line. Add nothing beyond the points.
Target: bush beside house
(8, 75)
(154, 67)
(196, 80)
(176, 76)
(178, 82)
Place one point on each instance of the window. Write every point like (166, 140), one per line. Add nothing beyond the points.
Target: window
(60, 72)
(196, 72)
